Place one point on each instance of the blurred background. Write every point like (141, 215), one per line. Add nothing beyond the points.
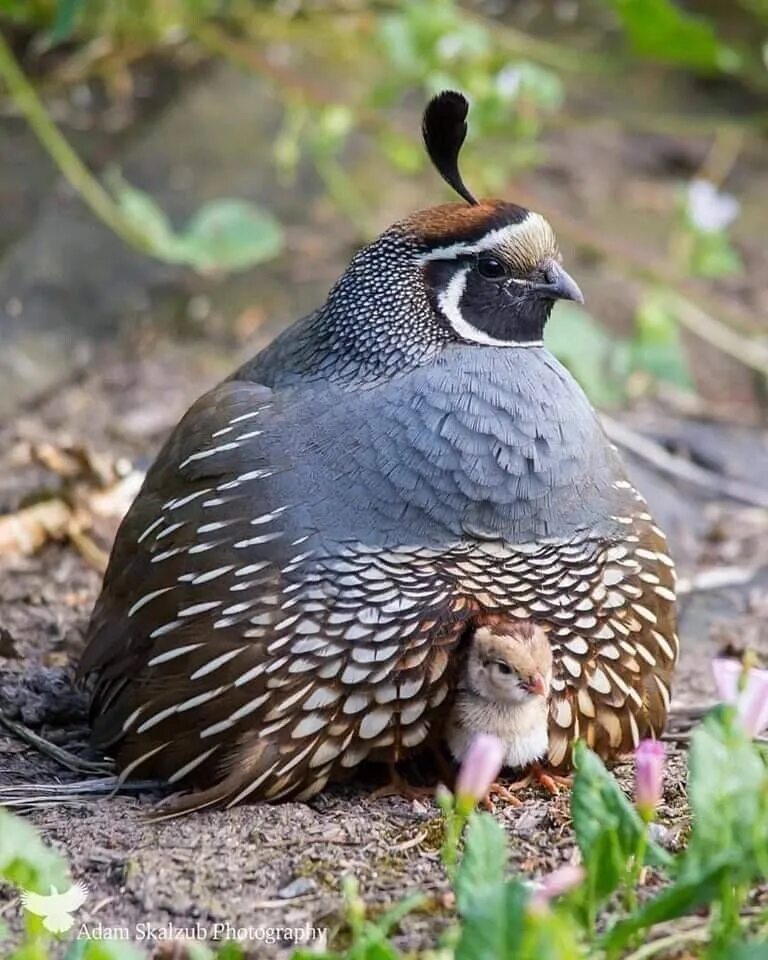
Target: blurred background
(179, 179)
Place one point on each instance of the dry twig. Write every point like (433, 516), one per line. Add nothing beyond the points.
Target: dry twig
(63, 757)
(666, 462)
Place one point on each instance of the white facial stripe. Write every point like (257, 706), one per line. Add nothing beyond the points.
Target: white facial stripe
(533, 224)
(450, 303)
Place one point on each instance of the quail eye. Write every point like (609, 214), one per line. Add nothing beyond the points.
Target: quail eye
(491, 268)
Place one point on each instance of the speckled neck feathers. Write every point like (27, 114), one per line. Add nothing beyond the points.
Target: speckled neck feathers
(377, 322)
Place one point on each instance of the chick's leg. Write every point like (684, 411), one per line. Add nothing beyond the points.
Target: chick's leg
(398, 786)
(501, 791)
(539, 774)
(551, 781)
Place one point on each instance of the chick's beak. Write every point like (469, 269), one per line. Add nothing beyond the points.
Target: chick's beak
(537, 684)
(560, 285)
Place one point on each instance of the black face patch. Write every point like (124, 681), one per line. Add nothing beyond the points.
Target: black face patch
(500, 307)
(504, 309)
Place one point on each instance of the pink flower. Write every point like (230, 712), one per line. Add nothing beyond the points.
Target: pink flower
(751, 701)
(649, 777)
(555, 884)
(727, 674)
(480, 767)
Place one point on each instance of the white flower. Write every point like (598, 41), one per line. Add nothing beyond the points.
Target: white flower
(450, 46)
(709, 210)
(508, 81)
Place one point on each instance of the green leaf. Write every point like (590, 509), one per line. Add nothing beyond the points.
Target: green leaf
(551, 935)
(142, 214)
(483, 863)
(682, 898)
(494, 923)
(103, 950)
(222, 235)
(713, 255)
(25, 861)
(67, 14)
(491, 909)
(229, 235)
(608, 828)
(595, 357)
(606, 865)
(741, 951)
(728, 794)
(657, 347)
(228, 951)
(661, 30)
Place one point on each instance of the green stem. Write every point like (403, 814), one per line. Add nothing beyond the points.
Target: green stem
(728, 922)
(65, 158)
(449, 853)
(633, 874)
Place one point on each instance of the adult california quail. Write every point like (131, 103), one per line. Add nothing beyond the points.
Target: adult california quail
(289, 592)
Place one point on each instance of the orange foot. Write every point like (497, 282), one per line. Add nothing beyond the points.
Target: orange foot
(503, 793)
(551, 782)
(398, 786)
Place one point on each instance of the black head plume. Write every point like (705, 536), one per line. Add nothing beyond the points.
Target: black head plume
(444, 128)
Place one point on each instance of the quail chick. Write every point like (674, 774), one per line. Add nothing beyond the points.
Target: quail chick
(505, 691)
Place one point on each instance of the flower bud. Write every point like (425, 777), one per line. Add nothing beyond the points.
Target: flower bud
(746, 689)
(479, 768)
(555, 884)
(649, 777)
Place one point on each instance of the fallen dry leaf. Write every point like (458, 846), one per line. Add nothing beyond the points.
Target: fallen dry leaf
(24, 532)
(114, 501)
(88, 549)
(66, 463)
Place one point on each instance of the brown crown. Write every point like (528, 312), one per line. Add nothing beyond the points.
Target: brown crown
(454, 222)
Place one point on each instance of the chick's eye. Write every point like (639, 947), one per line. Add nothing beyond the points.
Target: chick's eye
(503, 667)
(491, 268)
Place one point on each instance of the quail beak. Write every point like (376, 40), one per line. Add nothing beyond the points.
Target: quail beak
(560, 285)
(536, 684)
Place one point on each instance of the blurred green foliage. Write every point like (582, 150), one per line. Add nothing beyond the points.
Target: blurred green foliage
(222, 235)
(657, 345)
(517, 85)
(661, 29)
(122, 21)
(434, 46)
(597, 358)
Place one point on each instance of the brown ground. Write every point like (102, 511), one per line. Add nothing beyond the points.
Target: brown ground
(281, 866)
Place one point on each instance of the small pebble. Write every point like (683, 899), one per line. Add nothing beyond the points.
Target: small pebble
(662, 835)
(297, 888)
